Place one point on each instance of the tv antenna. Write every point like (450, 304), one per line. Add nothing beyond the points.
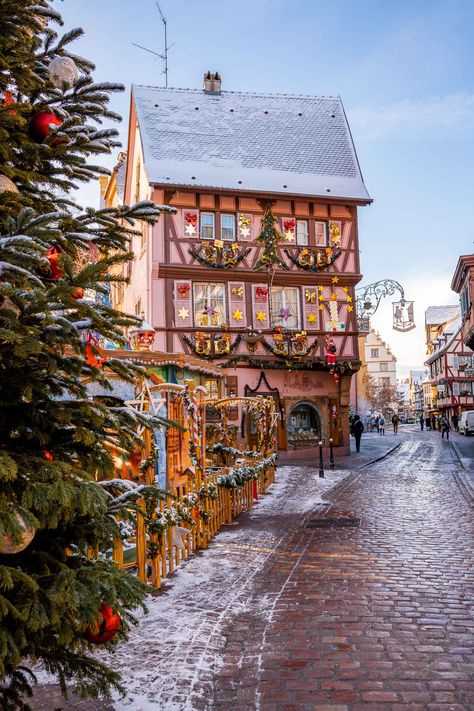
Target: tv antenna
(163, 56)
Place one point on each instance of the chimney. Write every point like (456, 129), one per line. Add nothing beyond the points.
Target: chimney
(212, 83)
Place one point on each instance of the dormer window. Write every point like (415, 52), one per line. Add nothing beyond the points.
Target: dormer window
(207, 225)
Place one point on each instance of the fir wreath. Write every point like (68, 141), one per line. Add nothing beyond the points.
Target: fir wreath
(211, 356)
(224, 264)
(311, 267)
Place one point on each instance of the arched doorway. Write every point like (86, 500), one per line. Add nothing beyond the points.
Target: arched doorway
(303, 425)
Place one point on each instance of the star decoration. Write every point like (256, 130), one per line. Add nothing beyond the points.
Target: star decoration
(321, 307)
(312, 318)
(177, 537)
(183, 313)
(320, 297)
(285, 313)
(289, 236)
(350, 308)
(320, 288)
(244, 231)
(237, 315)
(261, 316)
(335, 279)
(349, 299)
(345, 289)
(190, 230)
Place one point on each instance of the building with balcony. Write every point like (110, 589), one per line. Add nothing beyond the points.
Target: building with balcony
(256, 269)
(463, 284)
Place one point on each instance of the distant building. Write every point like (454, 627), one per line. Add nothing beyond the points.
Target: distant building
(415, 389)
(379, 366)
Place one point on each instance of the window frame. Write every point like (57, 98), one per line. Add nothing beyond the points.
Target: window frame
(234, 226)
(306, 223)
(297, 316)
(209, 286)
(325, 242)
(384, 367)
(374, 353)
(207, 214)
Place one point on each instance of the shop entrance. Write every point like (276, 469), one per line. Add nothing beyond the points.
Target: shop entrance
(303, 425)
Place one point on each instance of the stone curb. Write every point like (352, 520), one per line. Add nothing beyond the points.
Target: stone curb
(461, 480)
(381, 457)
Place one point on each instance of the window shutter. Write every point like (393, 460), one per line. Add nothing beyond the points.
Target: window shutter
(237, 314)
(244, 227)
(335, 233)
(309, 299)
(183, 303)
(456, 389)
(287, 227)
(190, 224)
(260, 306)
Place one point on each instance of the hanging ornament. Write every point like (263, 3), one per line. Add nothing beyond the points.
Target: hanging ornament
(42, 124)
(9, 547)
(62, 72)
(78, 293)
(7, 185)
(336, 377)
(108, 625)
(52, 255)
(178, 534)
(330, 351)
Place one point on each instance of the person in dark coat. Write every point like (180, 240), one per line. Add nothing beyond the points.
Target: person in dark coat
(445, 427)
(356, 431)
(455, 421)
(428, 423)
(422, 422)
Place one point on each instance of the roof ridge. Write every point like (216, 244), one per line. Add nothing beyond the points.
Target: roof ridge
(247, 93)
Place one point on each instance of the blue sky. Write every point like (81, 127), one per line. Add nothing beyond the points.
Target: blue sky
(404, 71)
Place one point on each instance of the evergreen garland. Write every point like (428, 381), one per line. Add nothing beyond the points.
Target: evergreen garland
(214, 265)
(311, 267)
(211, 356)
(314, 363)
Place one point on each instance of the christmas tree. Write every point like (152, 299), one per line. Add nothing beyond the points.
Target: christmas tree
(269, 237)
(56, 264)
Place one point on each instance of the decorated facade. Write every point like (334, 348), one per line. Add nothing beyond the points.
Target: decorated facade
(255, 270)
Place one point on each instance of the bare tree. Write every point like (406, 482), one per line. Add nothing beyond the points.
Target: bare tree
(381, 398)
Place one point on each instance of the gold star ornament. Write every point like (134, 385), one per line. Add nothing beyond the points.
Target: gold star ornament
(312, 318)
(350, 308)
(335, 279)
(261, 316)
(237, 315)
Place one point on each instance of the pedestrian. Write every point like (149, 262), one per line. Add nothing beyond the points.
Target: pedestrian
(455, 421)
(356, 431)
(395, 424)
(381, 426)
(422, 422)
(445, 427)
(433, 422)
(377, 424)
(427, 423)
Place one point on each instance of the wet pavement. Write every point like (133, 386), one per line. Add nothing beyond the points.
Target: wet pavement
(279, 615)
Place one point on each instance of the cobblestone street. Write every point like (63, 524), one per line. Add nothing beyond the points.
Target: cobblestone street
(278, 615)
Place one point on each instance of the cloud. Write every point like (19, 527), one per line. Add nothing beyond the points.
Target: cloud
(451, 115)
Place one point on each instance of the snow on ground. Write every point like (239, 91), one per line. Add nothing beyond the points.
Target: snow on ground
(173, 655)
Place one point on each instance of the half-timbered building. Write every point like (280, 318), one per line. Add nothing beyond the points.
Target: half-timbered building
(463, 284)
(256, 269)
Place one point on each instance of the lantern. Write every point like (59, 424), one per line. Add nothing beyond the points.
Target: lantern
(142, 337)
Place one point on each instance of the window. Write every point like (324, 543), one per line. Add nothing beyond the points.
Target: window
(383, 367)
(209, 304)
(465, 389)
(302, 232)
(212, 387)
(207, 225)
(227, 228)
(384, 382)
(320, 230)
(285, 306)
(374, 353)
(119, 292)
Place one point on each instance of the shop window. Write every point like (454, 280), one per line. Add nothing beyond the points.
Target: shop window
(303, 425)
(285, 306)
(212, 387)
(209, 304)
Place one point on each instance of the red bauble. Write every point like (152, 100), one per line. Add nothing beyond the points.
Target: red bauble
(78, 293)
(42, 124)
(52, 255)
(109, 625)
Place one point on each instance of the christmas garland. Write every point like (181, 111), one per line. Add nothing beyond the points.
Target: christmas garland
(314, 363)
(271, 349)
(214, 265)
(240, 476)
(312, 267)
(219, 448)
(211, 356)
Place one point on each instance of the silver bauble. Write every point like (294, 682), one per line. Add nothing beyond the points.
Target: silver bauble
(7, 185)
(8, 547)
(62, 71)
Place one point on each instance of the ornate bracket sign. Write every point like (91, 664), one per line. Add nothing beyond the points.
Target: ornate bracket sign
(403, 316)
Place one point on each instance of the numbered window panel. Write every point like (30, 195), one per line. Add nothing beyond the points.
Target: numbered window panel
(228, 228)
(207, 225)
(285, 307)
(302, 232)
(320, 230)
(209, 304)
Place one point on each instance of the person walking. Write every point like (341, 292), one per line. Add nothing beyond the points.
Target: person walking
(445, 427)
(433, 422)
(356, 431)
(395, 424)
(382, 425)
(455, 421)
(427, 423)
(422, 422)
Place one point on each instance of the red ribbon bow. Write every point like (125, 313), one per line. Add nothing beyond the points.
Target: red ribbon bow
(191, 218)
(91, 358)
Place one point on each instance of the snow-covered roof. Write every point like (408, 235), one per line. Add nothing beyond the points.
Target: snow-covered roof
(244, 141)
(120, 172)
(440, 314)
(451, 331)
